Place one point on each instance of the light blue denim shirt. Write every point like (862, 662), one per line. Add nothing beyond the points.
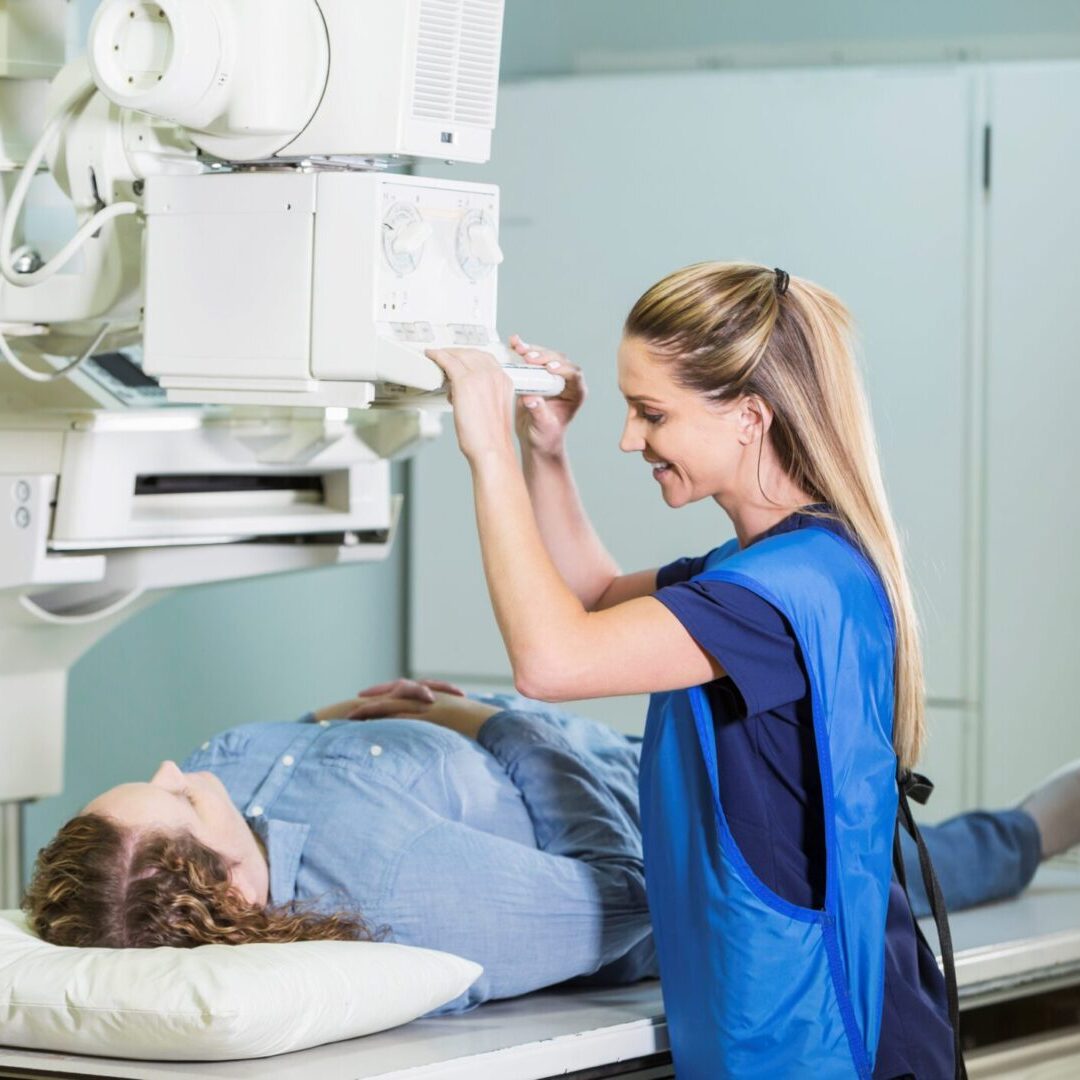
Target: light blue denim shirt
(521, 851)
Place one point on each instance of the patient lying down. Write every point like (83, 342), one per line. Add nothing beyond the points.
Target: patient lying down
(496, 829)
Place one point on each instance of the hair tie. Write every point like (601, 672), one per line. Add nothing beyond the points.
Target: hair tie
(783, 279)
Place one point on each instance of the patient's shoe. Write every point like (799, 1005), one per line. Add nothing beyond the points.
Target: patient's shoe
(1055, 806)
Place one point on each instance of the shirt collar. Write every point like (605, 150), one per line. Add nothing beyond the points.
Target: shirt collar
(797, 519)
(284, 842)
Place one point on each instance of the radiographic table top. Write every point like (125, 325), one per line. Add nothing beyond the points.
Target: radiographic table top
(1023, 945)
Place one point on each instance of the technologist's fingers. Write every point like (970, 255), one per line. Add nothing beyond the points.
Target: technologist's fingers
(542, 416)
(472, 375)
(532, 353)
(457, 363)
(447, 360)
(481, 393)
(541, 356)
(529, 353)
(536, 412)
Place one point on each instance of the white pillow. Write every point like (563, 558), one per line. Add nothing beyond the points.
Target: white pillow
(213, 1002)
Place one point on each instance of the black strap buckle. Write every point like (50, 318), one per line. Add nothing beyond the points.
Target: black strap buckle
(915, 786)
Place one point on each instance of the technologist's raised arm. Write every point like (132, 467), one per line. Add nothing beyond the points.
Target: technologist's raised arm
(559, 649)
(532, 917)
(568, 534)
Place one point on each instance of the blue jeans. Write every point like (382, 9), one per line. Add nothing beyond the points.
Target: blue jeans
(978, 857)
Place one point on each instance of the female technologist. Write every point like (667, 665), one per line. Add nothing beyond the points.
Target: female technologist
(784, 667)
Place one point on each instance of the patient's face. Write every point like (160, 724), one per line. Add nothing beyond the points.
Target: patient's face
(196, 802)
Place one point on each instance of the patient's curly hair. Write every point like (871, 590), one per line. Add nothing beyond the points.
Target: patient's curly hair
(97, 883)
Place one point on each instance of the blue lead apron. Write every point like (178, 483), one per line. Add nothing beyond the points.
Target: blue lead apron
(754, 985)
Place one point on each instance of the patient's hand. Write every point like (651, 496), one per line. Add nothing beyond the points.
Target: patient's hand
(340, 710)
(407, 692)
(447, 709)
(420, 689)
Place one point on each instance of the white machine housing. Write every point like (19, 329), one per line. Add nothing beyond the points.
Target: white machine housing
(296, 287)
(255, 79)
(434, 98)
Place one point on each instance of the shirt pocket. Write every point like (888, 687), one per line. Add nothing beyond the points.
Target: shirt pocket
(397, 752)
(227, 747)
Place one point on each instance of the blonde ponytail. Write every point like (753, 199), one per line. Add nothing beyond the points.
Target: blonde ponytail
(729, 332)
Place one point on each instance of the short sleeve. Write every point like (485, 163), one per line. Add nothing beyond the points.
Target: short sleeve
(751, 639)
(679, 570)
(682, 569)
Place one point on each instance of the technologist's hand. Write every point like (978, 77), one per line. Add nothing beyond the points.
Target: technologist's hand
(541, 422)
(453, 711)
(482, 395)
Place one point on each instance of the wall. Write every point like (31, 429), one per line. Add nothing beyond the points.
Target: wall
(550, 37)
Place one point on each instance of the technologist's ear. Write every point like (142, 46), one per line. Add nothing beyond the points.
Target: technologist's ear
(755, 419)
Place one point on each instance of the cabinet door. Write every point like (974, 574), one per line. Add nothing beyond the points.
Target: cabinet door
(858, 179)
(945, 761)
(1032, 566)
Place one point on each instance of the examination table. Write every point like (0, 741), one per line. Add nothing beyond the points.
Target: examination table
(1018, 966)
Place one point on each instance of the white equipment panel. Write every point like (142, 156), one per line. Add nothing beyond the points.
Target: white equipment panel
(310, 288)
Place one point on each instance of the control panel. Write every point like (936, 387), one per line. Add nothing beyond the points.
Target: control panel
(319, 288)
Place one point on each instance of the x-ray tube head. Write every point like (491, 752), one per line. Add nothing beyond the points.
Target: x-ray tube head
(252, 80)
(243, 76)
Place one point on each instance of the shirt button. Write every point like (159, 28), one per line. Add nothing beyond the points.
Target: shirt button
(256, 811)
(288, 759)
(206, 746)
(324, 723)
(376, 751)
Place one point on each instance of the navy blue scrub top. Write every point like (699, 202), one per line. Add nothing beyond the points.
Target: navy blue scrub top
(771, 791)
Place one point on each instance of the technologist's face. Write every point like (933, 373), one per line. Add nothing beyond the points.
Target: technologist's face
(695, 446)
(196, 802)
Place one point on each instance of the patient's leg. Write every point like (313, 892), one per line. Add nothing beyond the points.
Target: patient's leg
(978, 857)
(1055, 806)
(639, 963)
(991, 856)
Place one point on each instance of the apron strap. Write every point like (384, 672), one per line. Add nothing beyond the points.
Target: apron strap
(913, 786)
